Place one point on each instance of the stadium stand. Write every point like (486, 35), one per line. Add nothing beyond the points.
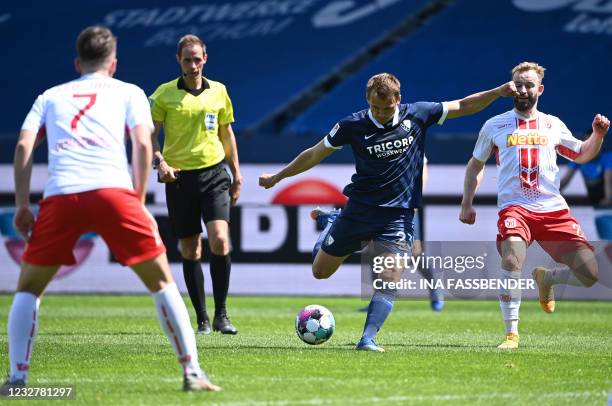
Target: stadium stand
(265, 51)
(473, 45)
(274, 51)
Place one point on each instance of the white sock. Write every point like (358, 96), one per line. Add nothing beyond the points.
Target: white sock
(562, 276)
(510, 301)
(511, 326)
(22, 329)
(174, 320)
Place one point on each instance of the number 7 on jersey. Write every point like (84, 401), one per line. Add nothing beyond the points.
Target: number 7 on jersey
(81, 113)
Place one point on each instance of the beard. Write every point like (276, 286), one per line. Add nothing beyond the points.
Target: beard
(524, 105)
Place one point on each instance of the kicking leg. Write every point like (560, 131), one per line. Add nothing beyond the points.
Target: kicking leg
(324, 220)
(326, 265)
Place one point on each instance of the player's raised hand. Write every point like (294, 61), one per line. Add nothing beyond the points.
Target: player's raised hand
(24, 221)
(601, 125)
(467, 214)
(508, 89)
(267, 180)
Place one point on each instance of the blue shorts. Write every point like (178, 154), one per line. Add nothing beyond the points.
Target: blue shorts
(358, 224)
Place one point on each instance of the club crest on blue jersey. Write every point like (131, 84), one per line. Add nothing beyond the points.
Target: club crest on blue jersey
(406, 125)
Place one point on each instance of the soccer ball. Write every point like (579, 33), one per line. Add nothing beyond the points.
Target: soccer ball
(314, 324)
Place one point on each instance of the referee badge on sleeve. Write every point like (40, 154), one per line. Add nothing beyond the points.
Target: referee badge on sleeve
(210, 120)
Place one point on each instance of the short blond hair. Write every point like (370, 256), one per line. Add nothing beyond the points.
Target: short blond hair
(525, 66)
(384, 85)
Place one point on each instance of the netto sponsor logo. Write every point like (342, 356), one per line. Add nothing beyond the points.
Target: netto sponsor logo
(515, 139)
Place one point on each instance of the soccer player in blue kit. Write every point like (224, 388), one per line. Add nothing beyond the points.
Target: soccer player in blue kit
(388, 143)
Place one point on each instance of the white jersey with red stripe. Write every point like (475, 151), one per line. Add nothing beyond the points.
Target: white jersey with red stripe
(526, 154)
(85, 122)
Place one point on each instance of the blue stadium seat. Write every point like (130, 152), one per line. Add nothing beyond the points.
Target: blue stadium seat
(473, 46)
(265, 52)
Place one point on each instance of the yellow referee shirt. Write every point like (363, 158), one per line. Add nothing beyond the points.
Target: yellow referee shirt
(191, 123)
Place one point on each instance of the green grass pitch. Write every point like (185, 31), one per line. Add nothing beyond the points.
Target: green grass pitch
(112, 349)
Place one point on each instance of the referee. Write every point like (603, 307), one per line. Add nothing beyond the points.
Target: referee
(196, 114)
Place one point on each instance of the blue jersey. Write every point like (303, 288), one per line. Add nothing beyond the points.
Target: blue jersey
(388, 159)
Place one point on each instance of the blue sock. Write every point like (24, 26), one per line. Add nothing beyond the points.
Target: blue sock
(378, 310)
(321, 238)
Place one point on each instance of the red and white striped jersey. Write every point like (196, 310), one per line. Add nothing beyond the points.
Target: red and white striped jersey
(526, 154)
(85, 122)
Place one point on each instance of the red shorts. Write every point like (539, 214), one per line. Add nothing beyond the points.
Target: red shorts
(115, 214)
(557, 232)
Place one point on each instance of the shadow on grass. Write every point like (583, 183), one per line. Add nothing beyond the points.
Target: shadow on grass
(283, 347)
(438, 345)
(98, 334)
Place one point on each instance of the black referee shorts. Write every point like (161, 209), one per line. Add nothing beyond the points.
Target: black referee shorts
(198, 194)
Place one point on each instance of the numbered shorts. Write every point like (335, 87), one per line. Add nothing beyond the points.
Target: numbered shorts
(115, 214)
(557, 232)
(390, 229)
(201, 194)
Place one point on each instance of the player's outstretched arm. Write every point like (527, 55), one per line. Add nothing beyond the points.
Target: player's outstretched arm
(304, 161)
(590, 148)
(141, 158)
(475, 102)
(22, 167)
(473, 175)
